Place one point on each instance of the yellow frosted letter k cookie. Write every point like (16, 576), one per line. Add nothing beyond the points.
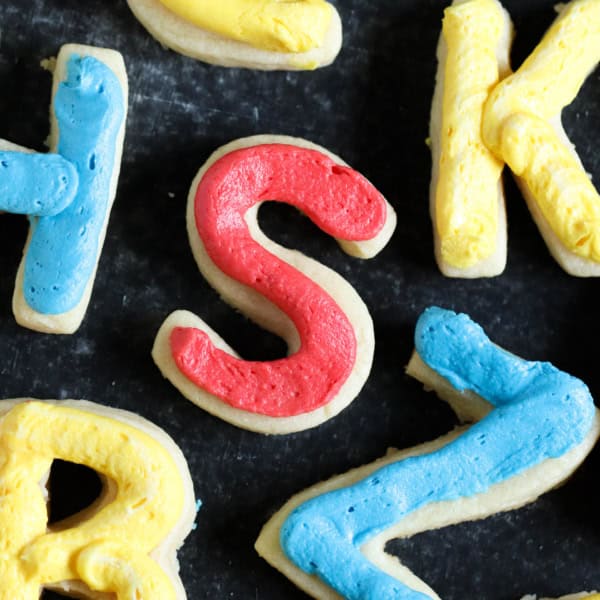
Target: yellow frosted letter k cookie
(522, 127)
(467, 196)
(125, 543)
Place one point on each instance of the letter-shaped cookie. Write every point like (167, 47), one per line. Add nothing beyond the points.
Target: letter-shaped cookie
(259, 34)
(518, 122)
(522, 126)
(536, 425)
(325, 323)
(466, 194)
(55, 278)
(125, 543)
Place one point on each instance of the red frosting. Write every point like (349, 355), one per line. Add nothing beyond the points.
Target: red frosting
(339, 201)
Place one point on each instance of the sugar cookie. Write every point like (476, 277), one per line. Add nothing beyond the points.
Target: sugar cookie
(125, 543)
(467, 194)
(522, 126)
(325, 323)
(264, 34)
(536, 425)
(55, 278)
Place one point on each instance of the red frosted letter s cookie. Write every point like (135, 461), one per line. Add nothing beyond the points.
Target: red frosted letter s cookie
(325, 323)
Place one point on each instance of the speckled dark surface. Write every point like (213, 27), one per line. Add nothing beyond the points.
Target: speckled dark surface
(372, 108)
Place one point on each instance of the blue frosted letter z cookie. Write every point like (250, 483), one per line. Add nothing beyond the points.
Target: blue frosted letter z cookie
(533, 426)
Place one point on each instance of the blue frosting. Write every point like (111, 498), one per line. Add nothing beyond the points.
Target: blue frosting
(36, 184)
(539, 413)
(63, 250)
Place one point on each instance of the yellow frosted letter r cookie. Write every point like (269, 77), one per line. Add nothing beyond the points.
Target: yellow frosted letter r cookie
(125, 543)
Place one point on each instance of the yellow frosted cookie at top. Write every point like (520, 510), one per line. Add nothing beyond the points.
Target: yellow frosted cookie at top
(261, 34)
(267, 24)
(522, 127)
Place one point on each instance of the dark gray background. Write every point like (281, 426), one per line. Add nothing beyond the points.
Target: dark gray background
(371, 107)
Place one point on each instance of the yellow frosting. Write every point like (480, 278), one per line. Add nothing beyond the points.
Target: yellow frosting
(517, 127)
(466, 198)
(109, 551)
(278, 25)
